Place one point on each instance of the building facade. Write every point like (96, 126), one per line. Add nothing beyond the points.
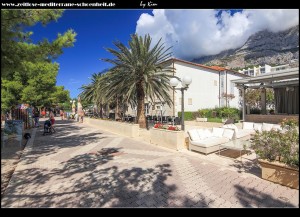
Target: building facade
(211, 87)
(260, 70)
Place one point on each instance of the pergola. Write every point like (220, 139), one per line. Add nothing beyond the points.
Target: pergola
(286, 89)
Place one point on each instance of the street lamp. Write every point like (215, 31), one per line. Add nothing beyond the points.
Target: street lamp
(186, 81)
(73, 106)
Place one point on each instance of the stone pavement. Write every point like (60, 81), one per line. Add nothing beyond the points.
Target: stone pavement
(80, 166)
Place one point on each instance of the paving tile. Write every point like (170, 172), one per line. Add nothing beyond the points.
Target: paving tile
(68, 175)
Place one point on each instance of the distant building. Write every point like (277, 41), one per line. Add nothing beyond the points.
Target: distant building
(211, 87)
(260, 70)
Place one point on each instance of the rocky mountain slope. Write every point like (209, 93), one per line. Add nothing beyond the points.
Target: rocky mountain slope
(263, 47)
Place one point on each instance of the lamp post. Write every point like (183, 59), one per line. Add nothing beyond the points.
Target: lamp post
(186, 81)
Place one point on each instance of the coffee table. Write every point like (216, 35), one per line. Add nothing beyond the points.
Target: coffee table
(237, 144)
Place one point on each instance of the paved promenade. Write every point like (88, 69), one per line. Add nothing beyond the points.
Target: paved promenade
(80, 166)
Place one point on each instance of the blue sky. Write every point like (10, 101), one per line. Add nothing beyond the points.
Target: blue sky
(192, 33)
(96, 30)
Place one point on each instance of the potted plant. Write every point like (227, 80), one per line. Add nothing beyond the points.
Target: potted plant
(278, 153)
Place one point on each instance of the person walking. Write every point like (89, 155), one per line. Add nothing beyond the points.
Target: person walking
(61, 114)
(36, 115)
(81, 115)
(52, 120)
(43, 113)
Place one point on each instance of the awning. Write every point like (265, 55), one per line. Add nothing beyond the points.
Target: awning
(287, 77)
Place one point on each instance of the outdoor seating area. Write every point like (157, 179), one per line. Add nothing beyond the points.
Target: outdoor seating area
(249, 128)
(207, 141)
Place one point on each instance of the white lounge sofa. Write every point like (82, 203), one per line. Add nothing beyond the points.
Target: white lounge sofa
(249, 128)
(208, 140)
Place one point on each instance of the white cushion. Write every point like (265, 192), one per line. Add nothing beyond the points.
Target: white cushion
(231, 126)
(248, 125)
(276, 127)
(209, 142)
(243, 133)
(267, 127)
(194, 135)
(218, 132)
(228, 133)
(257, 127)
(201, 133)
(208, 133)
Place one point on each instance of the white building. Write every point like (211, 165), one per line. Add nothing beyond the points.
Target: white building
(211, 87)
(260, 70)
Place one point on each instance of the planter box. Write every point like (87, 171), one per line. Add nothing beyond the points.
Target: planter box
(201, 119)
(167, 138)
(124, 129)
(280, 173)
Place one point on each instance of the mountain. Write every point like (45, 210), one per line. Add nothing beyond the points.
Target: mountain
(261, 48)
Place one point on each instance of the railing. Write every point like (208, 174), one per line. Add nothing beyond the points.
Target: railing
(25, 115)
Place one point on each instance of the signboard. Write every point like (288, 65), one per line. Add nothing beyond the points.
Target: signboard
(13, 129)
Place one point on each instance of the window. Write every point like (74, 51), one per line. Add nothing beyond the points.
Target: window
(158, 107)
(190, 101)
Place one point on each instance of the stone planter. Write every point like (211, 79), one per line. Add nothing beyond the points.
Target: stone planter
(280, 173)
(124, 129)
(167, 138)
(201, 119)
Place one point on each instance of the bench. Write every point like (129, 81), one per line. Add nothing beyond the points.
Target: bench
(201, 119)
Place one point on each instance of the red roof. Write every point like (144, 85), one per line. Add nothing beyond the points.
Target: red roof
(218, 68)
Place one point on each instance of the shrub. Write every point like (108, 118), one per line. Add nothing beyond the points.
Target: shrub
(255, 111)
(195, 115)
(188, 116)
(278, 145)
(205, 113)
(222, 112)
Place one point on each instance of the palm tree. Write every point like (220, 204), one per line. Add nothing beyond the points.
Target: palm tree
(137, 73)
(91, 91)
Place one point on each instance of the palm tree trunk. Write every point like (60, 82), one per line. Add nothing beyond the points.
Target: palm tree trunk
(141, 107)
(117, 109)
(101, 110)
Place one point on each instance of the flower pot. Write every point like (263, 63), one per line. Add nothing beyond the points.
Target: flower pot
(280, 173)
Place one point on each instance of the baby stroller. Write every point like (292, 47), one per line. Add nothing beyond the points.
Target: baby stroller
(48, 128)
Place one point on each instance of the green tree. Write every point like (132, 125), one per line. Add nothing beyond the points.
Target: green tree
(137, 73)
(28, 66)
(10, 94)
(60, 95)
(253, 97)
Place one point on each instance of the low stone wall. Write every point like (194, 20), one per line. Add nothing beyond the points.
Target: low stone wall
(203, 124)
(124, 129)
(167, 138)
(273, 119)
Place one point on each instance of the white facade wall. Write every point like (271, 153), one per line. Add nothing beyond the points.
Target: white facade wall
(202, 91)
(231, 89)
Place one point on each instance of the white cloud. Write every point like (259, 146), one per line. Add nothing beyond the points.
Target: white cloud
(194, 33)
